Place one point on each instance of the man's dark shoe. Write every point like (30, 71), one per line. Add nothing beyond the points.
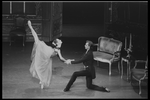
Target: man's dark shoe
(106, 90)
(66, 90)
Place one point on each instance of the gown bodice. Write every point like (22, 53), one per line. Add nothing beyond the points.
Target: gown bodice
(45, 51)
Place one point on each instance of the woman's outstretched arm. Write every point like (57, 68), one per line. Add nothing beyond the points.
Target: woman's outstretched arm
(33, 31)
(60, 56)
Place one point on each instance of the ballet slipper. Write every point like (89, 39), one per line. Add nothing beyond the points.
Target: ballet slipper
(40, 82)
(42, 86)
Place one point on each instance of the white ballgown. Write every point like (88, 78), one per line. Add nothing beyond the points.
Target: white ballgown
(41, 57)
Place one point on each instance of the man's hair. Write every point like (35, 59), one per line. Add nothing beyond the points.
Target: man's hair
(90, 43)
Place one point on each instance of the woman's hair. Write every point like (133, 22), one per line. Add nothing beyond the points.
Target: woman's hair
(55, 42)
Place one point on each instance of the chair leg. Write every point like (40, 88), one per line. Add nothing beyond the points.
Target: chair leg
(131, 79)
(139, 86)
(121, 68)
(109, 69)
(23, 40)
(127, 70)
(10, 41)
(97, 63)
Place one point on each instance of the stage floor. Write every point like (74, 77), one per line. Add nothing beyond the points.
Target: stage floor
(17, 81)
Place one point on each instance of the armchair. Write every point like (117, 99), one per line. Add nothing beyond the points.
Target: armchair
(108, 51)
(18, 29)
(138, 73)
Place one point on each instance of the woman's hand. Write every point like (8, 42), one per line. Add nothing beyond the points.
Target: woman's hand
(68, 61)
(71, 59)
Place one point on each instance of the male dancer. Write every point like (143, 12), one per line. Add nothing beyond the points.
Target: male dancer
(89, 71)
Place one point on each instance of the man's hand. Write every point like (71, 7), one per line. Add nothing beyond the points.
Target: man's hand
(68, 61)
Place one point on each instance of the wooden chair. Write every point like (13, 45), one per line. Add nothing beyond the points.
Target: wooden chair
(138, 73)
(18, 30)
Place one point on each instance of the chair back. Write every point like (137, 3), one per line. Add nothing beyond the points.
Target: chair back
(141, 64)
(109, 45)
(20, 22)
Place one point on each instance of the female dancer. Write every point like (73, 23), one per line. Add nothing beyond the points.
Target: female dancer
(41, 57)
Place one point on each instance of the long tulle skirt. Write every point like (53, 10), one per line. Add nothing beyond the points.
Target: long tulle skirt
(41, 66)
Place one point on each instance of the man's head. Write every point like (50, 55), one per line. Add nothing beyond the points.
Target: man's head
(88, 44)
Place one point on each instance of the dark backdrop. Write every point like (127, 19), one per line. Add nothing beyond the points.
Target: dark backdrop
(83, 12)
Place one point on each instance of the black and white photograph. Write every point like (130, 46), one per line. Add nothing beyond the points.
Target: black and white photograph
(74, 49)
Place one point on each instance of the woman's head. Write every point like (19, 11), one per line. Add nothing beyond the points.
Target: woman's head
(57, 43)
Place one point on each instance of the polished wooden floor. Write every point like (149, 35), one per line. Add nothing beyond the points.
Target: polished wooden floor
(17, 81)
